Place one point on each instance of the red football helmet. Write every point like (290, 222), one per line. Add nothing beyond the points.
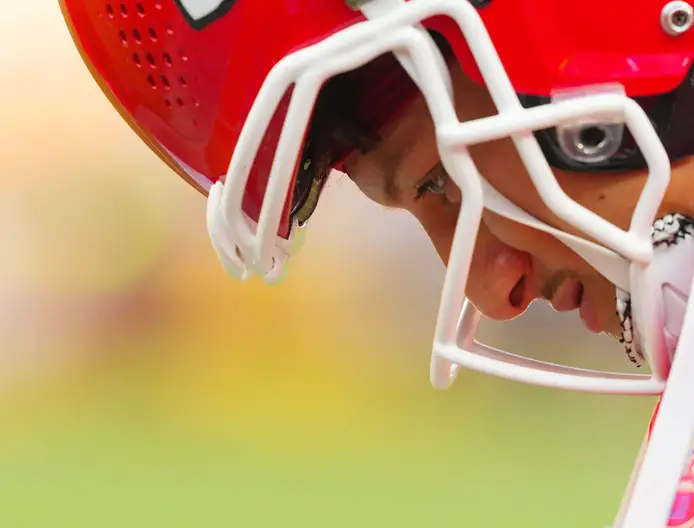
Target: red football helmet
(232, 94)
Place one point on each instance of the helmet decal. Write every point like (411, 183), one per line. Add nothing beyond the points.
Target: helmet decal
(200, 13)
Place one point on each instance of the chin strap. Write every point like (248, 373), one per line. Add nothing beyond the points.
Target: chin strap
(674, 263)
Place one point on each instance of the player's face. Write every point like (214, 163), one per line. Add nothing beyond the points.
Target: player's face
(512, 265)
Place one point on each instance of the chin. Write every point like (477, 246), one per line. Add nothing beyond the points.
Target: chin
(612, 327)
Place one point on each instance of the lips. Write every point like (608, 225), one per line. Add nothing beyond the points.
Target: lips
(569, 296)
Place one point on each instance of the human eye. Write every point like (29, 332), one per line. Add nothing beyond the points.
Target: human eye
(432, 184)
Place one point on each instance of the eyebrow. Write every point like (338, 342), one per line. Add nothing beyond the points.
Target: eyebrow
(384, 182)
(392, 192)
(389, 188)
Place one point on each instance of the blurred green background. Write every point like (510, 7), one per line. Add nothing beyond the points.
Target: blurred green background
(140, 386)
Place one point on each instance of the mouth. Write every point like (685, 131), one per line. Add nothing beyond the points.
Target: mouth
(569, 296)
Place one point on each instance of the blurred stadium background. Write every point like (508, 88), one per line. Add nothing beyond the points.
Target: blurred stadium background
(140, 386)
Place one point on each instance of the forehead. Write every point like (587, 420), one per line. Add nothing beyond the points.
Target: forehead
(405, 152)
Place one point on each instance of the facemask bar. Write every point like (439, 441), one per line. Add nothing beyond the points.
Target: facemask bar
(454, 342)
(612, 266)
(350, 48)
(502, 125)
(241, 246)
(515, 122)
(229, 254)
(650, 495)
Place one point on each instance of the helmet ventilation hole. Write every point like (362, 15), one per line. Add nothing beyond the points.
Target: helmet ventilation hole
(156, 56)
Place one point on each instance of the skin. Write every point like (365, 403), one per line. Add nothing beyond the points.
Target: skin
(513, 265)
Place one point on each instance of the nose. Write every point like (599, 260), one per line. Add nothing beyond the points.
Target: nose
(500, 282)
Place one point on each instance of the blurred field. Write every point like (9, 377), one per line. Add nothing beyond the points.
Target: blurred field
(139, 386)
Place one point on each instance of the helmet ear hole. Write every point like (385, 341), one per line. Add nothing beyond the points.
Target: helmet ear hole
(592, 137)
(592, 142)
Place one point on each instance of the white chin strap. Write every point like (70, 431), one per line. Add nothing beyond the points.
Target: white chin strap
(624, 257)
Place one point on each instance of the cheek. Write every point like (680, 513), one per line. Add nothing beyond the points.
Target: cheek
(499, 163)
(611, 196)
(546, 251)
(550, 256)
(438, 218)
